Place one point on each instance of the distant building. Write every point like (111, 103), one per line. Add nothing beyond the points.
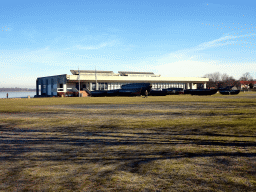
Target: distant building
(246, 84)
(108, 80)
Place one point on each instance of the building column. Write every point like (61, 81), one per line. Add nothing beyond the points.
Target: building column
(37, 88)
(49, 87)
(204, 85)
(64, 87)
(191, 85)
(187, 86)
(46, 86)
(97, 86)
(43, 91)
(55, 86)
(42, 87)
(90, 86)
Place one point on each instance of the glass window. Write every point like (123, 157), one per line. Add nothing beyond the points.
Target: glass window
(101, 86)
(93, 86)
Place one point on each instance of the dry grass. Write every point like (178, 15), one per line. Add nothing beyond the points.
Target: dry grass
(179, 143)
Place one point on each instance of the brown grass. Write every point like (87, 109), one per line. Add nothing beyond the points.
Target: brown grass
(196, 144)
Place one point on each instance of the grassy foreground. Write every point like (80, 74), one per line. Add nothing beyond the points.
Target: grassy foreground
(172, 143)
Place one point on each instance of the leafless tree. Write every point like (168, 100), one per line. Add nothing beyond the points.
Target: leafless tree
(218, 80)
(246, 77)
(213, 76)
(225, 77)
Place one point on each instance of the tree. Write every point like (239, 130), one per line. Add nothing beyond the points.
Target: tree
(225, 77)
(218, 80)
(246, 77)
(213, 76)
(213, 80)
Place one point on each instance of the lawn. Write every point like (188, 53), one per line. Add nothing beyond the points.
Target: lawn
(171, 143)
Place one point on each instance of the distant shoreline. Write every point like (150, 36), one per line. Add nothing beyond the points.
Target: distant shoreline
(17, 90)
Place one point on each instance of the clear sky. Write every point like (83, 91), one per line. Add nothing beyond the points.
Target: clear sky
(186, 38)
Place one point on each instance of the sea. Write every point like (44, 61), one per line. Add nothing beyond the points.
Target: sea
(18, 94)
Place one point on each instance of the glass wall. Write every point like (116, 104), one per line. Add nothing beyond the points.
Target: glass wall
(167, 85)
(101, 86)
(112, 86)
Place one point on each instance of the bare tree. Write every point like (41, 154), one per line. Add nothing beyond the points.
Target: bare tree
(225, 77)
(231, 82)
(246, 77)
(218, 80)
(213, 76)
(216, 76)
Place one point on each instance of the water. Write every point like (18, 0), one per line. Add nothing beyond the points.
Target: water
(18, 94)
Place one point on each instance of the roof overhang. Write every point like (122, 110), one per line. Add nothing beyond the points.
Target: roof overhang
(77, 72)
(149, 79)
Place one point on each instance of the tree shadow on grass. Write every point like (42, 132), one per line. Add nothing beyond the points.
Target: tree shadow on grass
(16, 141)
(65, 145)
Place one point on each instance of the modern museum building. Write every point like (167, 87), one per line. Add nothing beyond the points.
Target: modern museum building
(91, 80)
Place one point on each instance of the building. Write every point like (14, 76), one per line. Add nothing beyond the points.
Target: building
(108, 80)
(247, 84)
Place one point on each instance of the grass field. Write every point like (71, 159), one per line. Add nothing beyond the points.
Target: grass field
(171, 143)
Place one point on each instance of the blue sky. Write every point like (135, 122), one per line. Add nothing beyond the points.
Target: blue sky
(188, 38)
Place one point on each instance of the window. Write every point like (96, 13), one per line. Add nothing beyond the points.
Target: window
(101, 86)
(93, 86)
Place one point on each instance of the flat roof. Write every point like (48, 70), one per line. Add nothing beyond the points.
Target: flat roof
(134, 72)
(100, 78)
(76, 72)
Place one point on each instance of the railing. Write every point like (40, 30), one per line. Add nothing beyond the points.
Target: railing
(60, 90)
(68, 90)
(87, 91)
(74, 89)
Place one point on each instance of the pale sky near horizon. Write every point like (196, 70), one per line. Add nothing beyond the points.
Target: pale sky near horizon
(187, 38)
